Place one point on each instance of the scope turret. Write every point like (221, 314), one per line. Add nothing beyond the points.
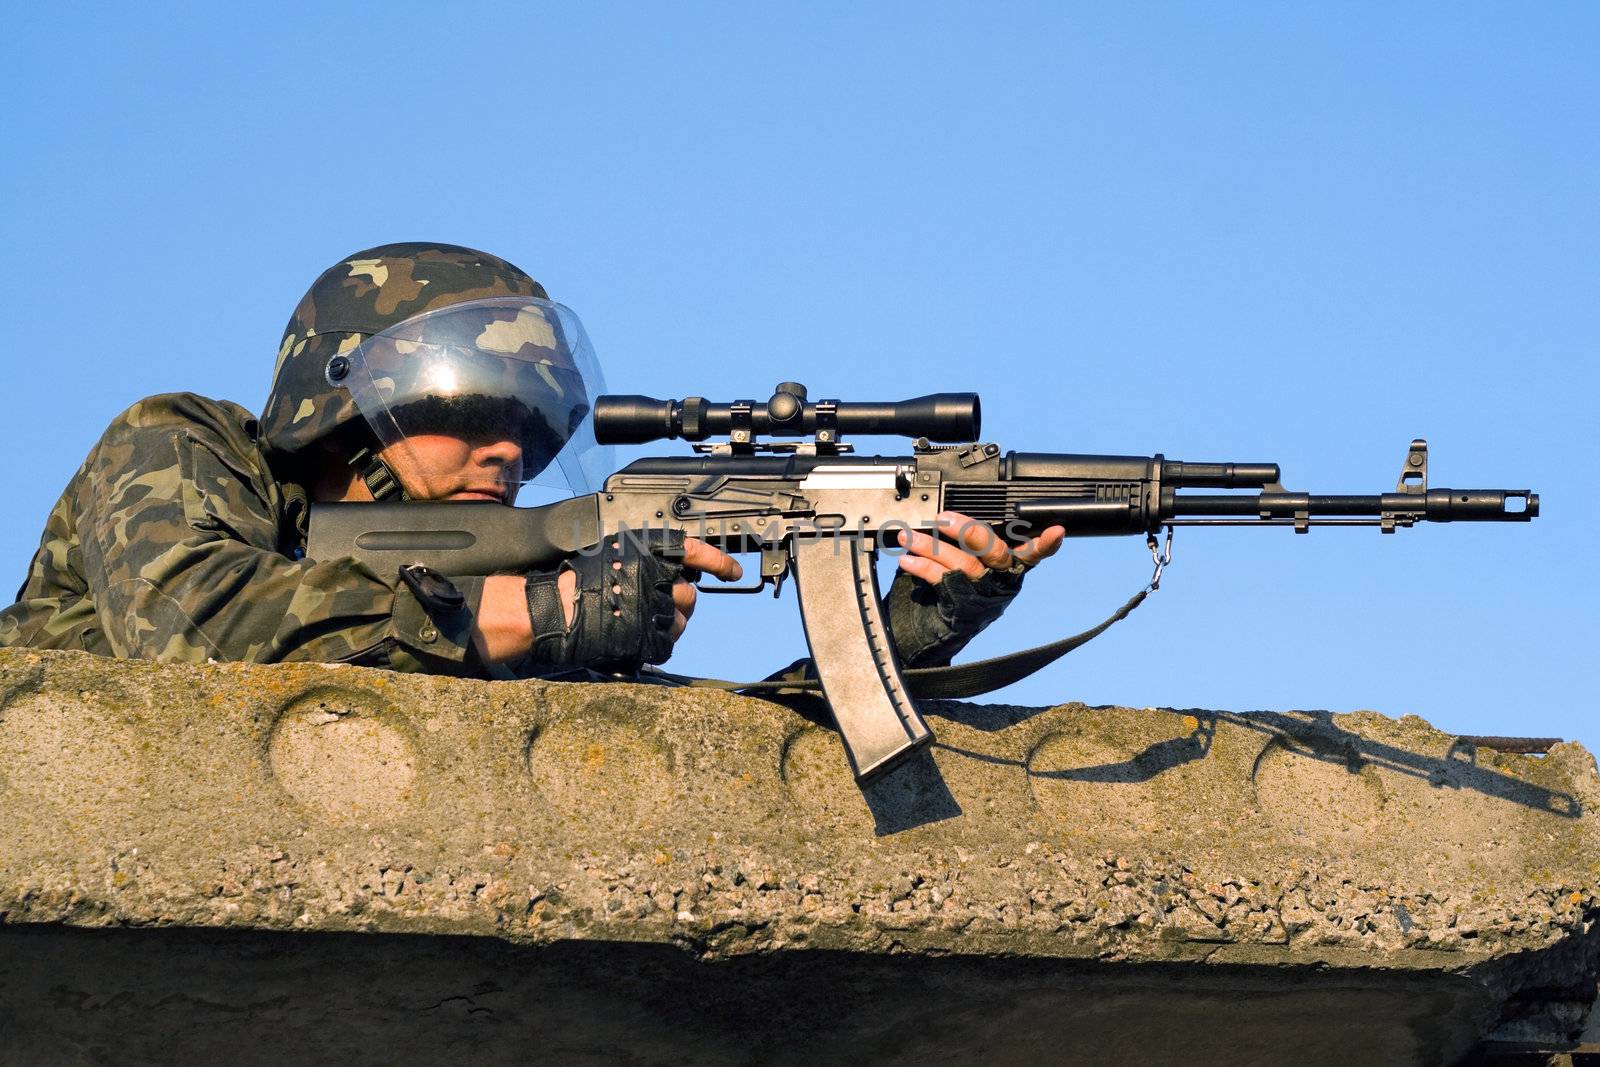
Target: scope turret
(637, 420)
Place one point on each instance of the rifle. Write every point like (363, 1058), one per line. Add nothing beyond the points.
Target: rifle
(816, 510)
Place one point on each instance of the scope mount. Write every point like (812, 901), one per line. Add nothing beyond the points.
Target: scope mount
(783, 448)
(785, 406)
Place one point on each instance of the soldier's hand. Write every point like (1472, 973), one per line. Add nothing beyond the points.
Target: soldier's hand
(505, 627)
(698, 558)
(966, 545)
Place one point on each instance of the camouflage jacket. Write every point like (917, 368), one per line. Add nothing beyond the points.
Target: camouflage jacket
(175, 541)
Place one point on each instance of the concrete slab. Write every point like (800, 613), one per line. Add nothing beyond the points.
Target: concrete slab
(341, 862)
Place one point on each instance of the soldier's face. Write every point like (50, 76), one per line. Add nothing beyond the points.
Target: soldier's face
(442, 467)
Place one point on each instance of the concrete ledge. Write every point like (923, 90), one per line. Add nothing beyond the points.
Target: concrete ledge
(1063, 861)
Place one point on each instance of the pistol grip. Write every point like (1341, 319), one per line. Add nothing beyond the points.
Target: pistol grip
(855, 658)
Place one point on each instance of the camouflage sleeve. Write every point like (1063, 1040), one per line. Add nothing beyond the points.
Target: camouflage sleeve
(181, 549)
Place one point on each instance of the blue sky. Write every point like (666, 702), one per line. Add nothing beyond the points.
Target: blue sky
(1265, 232)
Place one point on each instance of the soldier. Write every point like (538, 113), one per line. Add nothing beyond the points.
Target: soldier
(420, 371)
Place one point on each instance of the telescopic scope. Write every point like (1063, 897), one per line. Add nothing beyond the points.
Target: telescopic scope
(637, 420)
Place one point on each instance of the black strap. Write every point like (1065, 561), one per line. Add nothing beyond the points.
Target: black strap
(987, 675)
(961, 679)
(381, 482)
(435, 592)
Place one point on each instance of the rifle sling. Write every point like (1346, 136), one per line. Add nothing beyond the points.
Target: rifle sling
(956, 681)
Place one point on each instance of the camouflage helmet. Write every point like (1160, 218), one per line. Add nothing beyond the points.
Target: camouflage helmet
(362, 295)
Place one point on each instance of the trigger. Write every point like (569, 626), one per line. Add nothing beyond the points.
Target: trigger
(775, 568)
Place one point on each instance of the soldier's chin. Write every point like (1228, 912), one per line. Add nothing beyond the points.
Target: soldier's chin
(497, 496)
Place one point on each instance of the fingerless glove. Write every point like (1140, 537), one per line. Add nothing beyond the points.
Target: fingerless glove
(932, 622)
(624, 611)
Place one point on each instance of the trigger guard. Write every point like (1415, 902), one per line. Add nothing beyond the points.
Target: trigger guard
(724, 587)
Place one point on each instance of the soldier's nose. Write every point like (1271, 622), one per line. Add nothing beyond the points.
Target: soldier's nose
(502, 453)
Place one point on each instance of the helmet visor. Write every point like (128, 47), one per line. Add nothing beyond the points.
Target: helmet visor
(482, 396)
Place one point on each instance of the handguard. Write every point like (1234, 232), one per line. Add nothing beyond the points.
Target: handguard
(853, 652)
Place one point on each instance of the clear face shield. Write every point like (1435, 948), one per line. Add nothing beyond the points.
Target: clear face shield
(477, 399)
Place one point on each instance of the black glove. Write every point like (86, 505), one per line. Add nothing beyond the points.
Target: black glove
(932, 622)
(624, 605)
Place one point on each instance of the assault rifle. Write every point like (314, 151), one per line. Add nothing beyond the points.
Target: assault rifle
(814, 509)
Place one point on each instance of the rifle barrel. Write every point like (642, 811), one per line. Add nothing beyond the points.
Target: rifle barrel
(1434, 505)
